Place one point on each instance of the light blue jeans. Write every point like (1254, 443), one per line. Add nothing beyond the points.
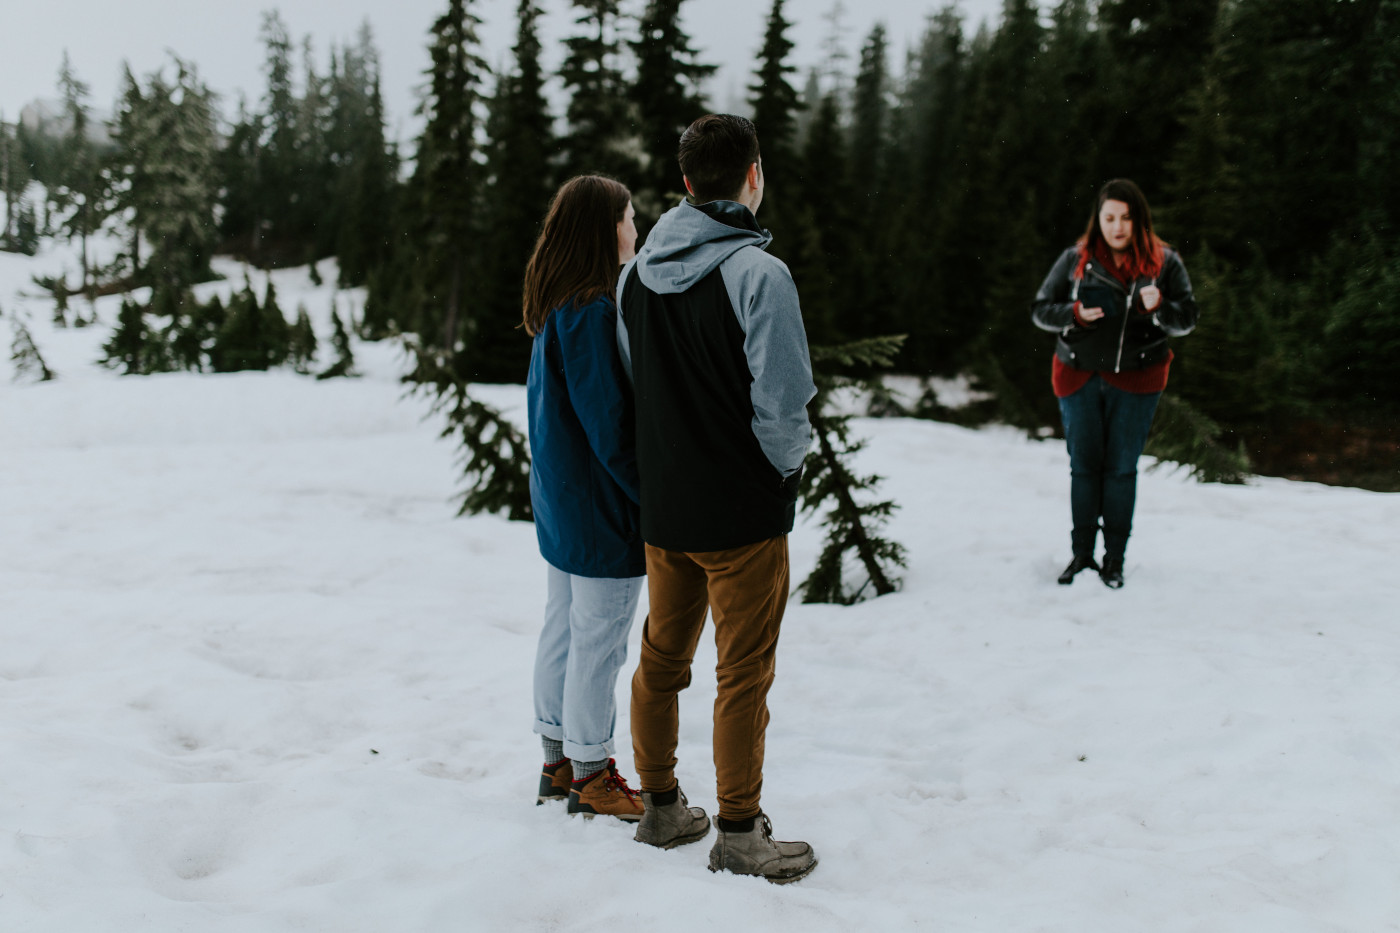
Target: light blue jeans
(582, 647)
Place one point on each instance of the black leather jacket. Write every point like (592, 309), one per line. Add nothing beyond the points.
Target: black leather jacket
(1125, 338)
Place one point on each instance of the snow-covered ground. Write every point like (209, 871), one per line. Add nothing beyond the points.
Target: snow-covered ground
(255, 677)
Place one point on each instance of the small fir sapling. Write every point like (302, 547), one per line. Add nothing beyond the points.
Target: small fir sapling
(494, 454)
(852, 527)
(303, 341)
(60, 302)
(277, 333)
(24, 353)
(1183, 434)
(239, 345)
(126, 349)
(344, 364)
(182, 336)
(211, 320)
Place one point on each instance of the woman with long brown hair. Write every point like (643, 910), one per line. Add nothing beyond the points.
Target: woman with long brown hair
(1114, 298)
(584, 490)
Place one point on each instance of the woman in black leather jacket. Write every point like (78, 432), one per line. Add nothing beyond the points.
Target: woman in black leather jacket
(1114, 298)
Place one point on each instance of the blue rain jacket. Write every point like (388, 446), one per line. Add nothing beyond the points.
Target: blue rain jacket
(583, 463)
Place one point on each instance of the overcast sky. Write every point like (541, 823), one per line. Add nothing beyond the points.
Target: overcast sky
(221, 38)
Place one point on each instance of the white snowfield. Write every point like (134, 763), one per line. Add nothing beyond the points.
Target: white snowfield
(256, 677)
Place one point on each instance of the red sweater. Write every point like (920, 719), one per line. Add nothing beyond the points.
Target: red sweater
(1068, 380)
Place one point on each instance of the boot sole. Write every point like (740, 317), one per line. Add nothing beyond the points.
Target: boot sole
(626, 818)
(544, 798)
(771, 879)
(679, 840)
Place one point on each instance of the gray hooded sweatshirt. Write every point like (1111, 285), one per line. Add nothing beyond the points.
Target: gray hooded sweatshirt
(710, 331)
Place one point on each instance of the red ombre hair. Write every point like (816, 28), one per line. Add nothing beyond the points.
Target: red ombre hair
(1145, 249)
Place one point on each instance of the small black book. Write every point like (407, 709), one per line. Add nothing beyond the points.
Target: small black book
(1093, 295)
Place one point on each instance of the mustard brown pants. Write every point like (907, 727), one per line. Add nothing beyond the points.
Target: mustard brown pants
(745, 589)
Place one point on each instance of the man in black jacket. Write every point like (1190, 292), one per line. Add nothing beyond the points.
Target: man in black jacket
(711, 333)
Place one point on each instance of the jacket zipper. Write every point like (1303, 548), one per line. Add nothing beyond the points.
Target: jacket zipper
(1123, 334)
(1127, 310)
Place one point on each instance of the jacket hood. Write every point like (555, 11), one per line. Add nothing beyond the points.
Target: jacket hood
(690, 241)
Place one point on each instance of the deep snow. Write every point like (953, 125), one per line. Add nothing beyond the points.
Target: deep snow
(256, 677)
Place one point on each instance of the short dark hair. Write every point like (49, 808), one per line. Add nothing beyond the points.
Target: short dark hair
(715, 154)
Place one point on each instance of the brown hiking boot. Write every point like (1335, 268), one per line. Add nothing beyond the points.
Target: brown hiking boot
(555, 780)
(605, 793)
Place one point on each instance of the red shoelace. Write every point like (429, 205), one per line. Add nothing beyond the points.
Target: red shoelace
(616, 781)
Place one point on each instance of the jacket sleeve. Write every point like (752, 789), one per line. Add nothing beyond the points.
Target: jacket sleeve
(1053, 307)
(775, 347)
(588, 345)
(1178, 313)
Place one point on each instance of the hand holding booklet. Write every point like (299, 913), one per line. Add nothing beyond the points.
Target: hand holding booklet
(1112, 302)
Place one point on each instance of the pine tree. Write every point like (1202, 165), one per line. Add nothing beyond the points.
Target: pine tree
(276, 333)
(1005, 118)
(78, 200)
(313, 197)
(852, 527)
(279, 160)
(241, 343)
(183, 337)
(344, 364)
(600, 137)
(243, 202)
(1181, 434)
(1379, 137)
(301, 343)
(516, 197)
(129, 347)
(25, 355)
(366, 179)
(821, 253)
(874, 193)
(931, 255)
(775, 107)
(1158, 53)
(772, 96)
(444, 194)
(1205, 209)
(1076, 69)
(494, 454)
(668, 99)
(14, 178)
(166, 141)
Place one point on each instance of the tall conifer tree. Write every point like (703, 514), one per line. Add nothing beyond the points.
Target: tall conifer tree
(668, 99)
(600, 137)
(444, 196)
(775, 106)
(516, 197)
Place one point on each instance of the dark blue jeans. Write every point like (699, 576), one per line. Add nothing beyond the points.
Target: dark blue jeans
(1105, 430)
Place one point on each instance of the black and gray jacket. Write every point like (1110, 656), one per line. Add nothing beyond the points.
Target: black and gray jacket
(711, 334)
(1124, 339)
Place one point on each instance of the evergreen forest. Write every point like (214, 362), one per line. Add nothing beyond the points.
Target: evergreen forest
(916, 185)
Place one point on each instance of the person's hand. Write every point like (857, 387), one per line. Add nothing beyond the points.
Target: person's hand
(1089, 315)
(1151, 297)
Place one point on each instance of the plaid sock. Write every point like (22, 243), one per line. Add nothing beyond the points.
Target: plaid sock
(553, 750)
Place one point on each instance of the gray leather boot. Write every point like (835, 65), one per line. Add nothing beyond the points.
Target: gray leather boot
(670, 825)
(756, 852)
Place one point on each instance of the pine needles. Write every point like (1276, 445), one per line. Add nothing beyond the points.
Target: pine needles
(852, 526)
